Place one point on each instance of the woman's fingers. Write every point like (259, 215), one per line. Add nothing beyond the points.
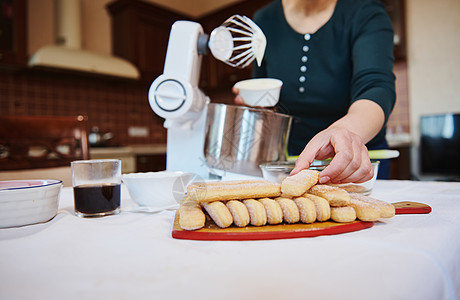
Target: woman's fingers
(350, 161)
(238, 99)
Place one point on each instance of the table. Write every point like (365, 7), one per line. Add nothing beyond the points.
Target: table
(133, 256)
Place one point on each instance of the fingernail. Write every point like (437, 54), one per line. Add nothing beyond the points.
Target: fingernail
(294, 171)
(324, 179)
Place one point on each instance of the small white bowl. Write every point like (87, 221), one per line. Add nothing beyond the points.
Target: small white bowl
(260, 92)
(277, 171)
(25, 202)
(157, 190)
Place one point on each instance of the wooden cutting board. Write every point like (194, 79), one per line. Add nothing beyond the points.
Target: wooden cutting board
(409, 207)
(284, 231)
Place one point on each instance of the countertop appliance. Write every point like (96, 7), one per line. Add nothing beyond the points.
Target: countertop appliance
(175, 95)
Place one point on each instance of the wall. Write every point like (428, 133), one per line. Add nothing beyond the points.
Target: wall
(96, 20)
(433, 30)
(431, 79)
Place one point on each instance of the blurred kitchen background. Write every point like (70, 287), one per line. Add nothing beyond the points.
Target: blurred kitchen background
(427, 47)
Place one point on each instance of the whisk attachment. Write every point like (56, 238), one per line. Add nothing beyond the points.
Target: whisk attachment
(237, 42)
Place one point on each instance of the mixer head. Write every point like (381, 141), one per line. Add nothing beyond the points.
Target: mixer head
(237, 42)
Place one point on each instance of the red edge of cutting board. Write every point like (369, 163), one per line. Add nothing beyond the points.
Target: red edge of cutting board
(409, 207)
(268, 232)
(285, 231)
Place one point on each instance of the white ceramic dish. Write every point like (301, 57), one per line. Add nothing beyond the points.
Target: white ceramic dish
(277, 171)
(260, 92)
(157, 190)
(25, 202)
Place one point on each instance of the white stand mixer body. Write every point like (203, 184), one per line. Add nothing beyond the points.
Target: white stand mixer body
(175, 96)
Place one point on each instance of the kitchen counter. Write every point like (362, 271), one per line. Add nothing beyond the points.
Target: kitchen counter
(127, 154)
(133, 149)
(133, 256)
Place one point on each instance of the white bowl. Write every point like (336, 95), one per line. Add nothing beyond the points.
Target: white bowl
(157, 190)
(277, 171)
(260, 92)
(25, 202)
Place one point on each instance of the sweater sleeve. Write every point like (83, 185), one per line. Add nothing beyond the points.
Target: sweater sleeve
(372, 55)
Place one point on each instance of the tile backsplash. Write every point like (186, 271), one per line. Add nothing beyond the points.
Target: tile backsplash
(121, 106)
(112, 105)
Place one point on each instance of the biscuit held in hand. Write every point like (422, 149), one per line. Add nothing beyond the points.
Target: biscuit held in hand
(296, 185)
(191, 216)
(334, 195)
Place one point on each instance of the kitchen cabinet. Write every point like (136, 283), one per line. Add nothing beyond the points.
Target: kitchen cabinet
(400, 167)
(13, 37)
(396, 11)
(140, 34)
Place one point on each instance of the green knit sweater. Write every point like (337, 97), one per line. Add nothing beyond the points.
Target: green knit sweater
(347, 59)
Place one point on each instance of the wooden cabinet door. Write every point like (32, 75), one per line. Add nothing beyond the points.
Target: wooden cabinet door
(13, 38)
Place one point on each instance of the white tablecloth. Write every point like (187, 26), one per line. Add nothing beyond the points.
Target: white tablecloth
(133, 256)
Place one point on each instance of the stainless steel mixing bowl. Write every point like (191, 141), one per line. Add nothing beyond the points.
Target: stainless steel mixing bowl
(238, 138)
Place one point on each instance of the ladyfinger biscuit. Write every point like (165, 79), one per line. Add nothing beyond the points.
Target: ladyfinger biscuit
(351, 187)
(239, 213)
(307, 209)
(273, 210)
(257, 212)
(290, 211)
(334, 195)
(323, 209)
(219, 213)
(343, 214)
(365, 211)
(232, 190)
(387, 210)
(299, 183)
(191, 216)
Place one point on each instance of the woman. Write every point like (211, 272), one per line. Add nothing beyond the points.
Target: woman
(335, 58)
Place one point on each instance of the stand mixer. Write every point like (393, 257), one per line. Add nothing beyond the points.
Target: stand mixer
(175, 95)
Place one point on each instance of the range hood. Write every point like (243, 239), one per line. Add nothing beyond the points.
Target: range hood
(68, 54)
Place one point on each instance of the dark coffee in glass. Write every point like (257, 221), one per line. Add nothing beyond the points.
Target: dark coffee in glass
(99, 198)
(96, 187)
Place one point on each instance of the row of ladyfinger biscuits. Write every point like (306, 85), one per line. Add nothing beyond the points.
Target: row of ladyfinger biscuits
(307, 208)
(301, 200)
(259, 212)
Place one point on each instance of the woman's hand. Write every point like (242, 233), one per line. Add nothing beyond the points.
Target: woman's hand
(238, 99)
(345, 141)
(350, 161)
